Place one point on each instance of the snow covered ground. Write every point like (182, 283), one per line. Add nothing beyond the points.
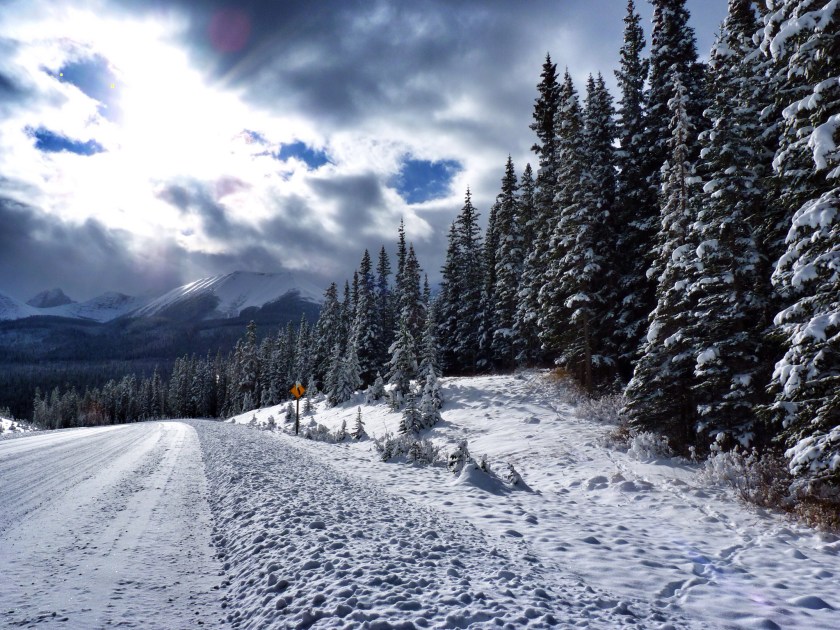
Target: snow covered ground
(210, 524)
(9, 427)
(106, 527)
(651, 539)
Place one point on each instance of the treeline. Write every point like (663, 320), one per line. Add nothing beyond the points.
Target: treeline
(682, 245)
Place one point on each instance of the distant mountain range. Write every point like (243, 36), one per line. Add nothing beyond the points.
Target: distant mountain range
(218, 297)
(52, 340)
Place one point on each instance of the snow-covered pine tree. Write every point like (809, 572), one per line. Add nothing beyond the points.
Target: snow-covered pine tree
(358, 427)
(635, 218)
(488, 293)
(384, 309)
(659, 396)
(430, 402)
(303, 351)
(673, 52)
(366, 330)
(730, 375)
(447, 304)
(411, 421)
(469, 286)
(248, 363)
(348, 379)
(411, 307)
(377, 390)
(508, 268)
(429, 360)
(403, 364)
(543, 218)
(806, 380)
(327, 330)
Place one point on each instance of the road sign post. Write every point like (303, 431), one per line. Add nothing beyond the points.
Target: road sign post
(297, 391)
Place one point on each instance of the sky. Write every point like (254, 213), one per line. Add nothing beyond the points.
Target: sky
(145, 144)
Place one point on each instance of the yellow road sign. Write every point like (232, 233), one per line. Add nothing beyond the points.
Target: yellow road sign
(298, 390)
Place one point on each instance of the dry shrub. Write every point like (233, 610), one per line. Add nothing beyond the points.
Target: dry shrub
(819, 513)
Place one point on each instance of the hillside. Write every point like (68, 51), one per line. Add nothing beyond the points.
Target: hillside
(653, 535)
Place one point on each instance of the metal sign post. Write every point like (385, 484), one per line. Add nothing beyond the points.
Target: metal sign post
(297, 391)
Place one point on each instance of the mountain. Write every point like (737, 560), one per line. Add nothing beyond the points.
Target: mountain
(103, 308)
(50, 299)
(230, 296)
(10, 308)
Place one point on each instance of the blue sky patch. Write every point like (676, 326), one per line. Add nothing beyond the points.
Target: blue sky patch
(51, 142)
(94, 77)
(424, 180)
(313, 158)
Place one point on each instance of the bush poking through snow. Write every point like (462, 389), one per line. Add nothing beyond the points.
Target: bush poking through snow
(762, 479)
(459, 457)
(606, 409)
(341, 434)
(512, 476)
(270, 423)
(415, 451)
(646, 446)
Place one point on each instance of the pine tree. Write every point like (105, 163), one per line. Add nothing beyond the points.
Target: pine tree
(673, 52)
(488, 292)
(659, 396)
(358, 432)
(411, 306)
(806, 380)
(403, 364)
(430, 403)
(729, 318)
(447, 303)
(429, 360)
(327, 330)
(411, 421)
(366, 331)
(469, 285)
(508, 269)
(636, 215)
(384, 309)
(544, 215)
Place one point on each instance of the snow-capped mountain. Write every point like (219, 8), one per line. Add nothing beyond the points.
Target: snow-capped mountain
(49, 299)
(103, 308)
(216, 297)
(10, 308)
(226, 296)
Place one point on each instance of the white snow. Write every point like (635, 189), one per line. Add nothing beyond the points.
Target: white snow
(114, 526)
(645, 531)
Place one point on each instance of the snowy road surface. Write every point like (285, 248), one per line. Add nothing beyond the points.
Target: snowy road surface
(106, 527)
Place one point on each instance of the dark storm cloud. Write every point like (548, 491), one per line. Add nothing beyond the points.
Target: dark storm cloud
(199, 199)
(38, 251)
(359, 198)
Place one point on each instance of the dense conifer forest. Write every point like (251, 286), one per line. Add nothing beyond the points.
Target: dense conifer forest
(678, 242)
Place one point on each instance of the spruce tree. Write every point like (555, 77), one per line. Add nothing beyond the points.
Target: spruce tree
(468, 297)
(327, 331)
(544, 216)
(806, 380)
(729, 327)
(488, 293)
(508, 268)
(659, 396)
(366, 327)
(635, 218)
(403, 364)
(384, 308)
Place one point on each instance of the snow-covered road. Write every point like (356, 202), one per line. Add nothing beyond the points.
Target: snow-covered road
(106, 527)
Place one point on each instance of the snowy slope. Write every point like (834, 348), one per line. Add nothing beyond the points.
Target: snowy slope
(229, 294)
(650, 536)
(10, 308)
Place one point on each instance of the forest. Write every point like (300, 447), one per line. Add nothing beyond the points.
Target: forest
(679, 243)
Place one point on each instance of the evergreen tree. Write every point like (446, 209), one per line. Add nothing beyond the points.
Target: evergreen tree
(636, 213)
(544, 217)
(384, 309)
(659, 396)
(429, 361)
(469, 285)
(447, 303)
(327, 331)
(366, 330)
(358, 432)
(729, 317)
(430, 403)
(411, 306)
(806, 380)
(488, 293)
(411, 421)
(403, 364)
(508, 268)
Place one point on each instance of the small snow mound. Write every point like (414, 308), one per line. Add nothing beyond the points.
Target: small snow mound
(471, 474)
(812, 602)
